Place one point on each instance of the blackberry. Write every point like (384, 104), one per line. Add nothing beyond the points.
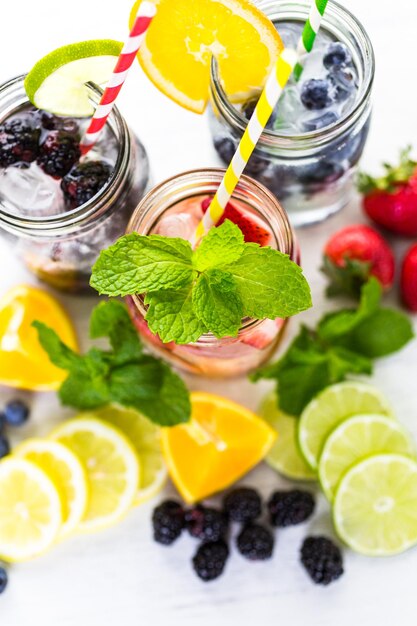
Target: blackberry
(210, 559)
(58, 153)
(3, 579)
(167, 522)
(287, 508)
(243, 505)
(255, 542)
(84, 181)
(4, 446)
(337, 55)
(317, 93)
(322, 559)
(16, 413)
(206, 523)
(53, 122)
(19, 142)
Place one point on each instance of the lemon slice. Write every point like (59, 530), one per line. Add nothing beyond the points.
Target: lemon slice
(285, 456)
(67, 474)
(355, 439)
(57, 82)
(30, 510)
(111, 465)
(375, 509)
(184, 37)
(330, 408)
(146, 439)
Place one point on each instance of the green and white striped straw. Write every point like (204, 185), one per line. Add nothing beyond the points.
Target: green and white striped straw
(309, 34)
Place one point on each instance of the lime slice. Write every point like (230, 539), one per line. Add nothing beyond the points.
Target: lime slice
(145, 438)
(375, 509)
(330, 408)
(354, 440)
(57, 83)
(285, 456)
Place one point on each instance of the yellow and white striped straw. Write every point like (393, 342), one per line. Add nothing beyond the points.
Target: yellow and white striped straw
(275, 84)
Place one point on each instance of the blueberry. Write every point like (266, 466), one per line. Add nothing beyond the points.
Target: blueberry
(317, 93)
(321, 173)
(256, 165)
(3, 579)
(278, 179)
(225, 148)
(343, 78)
(337, 54)
(16, 413)
(248, 109)
(2, 422)
(327, 119)
(4, 446)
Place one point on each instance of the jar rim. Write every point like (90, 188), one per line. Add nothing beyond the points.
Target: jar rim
(43, 226)
(334, 16)
(212, 177)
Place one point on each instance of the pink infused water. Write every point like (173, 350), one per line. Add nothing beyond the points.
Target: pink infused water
(257, 339)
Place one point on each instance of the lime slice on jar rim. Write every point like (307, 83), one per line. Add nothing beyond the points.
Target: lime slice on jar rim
(331, 407)
(375, 508)
(285, 456)
(57, 82)
(354, 440)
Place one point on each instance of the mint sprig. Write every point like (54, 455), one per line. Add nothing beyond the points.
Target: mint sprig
(211, 289)
(124, 374)
(343, 343)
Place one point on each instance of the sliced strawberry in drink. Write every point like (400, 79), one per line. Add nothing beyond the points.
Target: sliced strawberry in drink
(263, 337)
(252, 228)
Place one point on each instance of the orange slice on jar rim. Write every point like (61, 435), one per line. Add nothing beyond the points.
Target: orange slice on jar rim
(23, 362)
(184, 36)
(221, 443)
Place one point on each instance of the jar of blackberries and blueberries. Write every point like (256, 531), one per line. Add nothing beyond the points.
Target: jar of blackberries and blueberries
(309, 151)
(58, 210)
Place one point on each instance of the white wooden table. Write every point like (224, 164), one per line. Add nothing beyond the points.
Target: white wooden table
(120, 576)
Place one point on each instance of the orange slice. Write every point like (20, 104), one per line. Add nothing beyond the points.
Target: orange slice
(23, 362)
(220, 444)
(186, 34)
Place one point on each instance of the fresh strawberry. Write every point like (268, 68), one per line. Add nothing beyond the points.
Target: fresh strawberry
(409, 279)
(352, 255)
(265, 335)
(252, 228)
(391, 201)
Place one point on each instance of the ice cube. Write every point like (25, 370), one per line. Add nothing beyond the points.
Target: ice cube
(181, 225)
(30, 191)
(288, 111)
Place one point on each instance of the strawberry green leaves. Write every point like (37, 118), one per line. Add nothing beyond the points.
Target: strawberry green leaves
(123, 374)
(189, 293)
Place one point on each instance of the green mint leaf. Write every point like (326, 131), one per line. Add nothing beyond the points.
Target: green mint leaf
(342, 322)
(59, 354)
(124, 374)
(221, 246)
(171, 316)
(111, 319)
(217, 303)
(166, 404)
(87, 385)
(382, 333)
(269, 284)
(308, 367)
(138, 263)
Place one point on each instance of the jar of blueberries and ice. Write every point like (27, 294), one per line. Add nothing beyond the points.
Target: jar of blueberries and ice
(58, 210)
(308, 154)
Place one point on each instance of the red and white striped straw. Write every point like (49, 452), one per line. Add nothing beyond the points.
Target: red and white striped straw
(128, 54)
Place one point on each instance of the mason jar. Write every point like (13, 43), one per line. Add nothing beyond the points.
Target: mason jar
(60, 246)
(174, 208)
(312, 172)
